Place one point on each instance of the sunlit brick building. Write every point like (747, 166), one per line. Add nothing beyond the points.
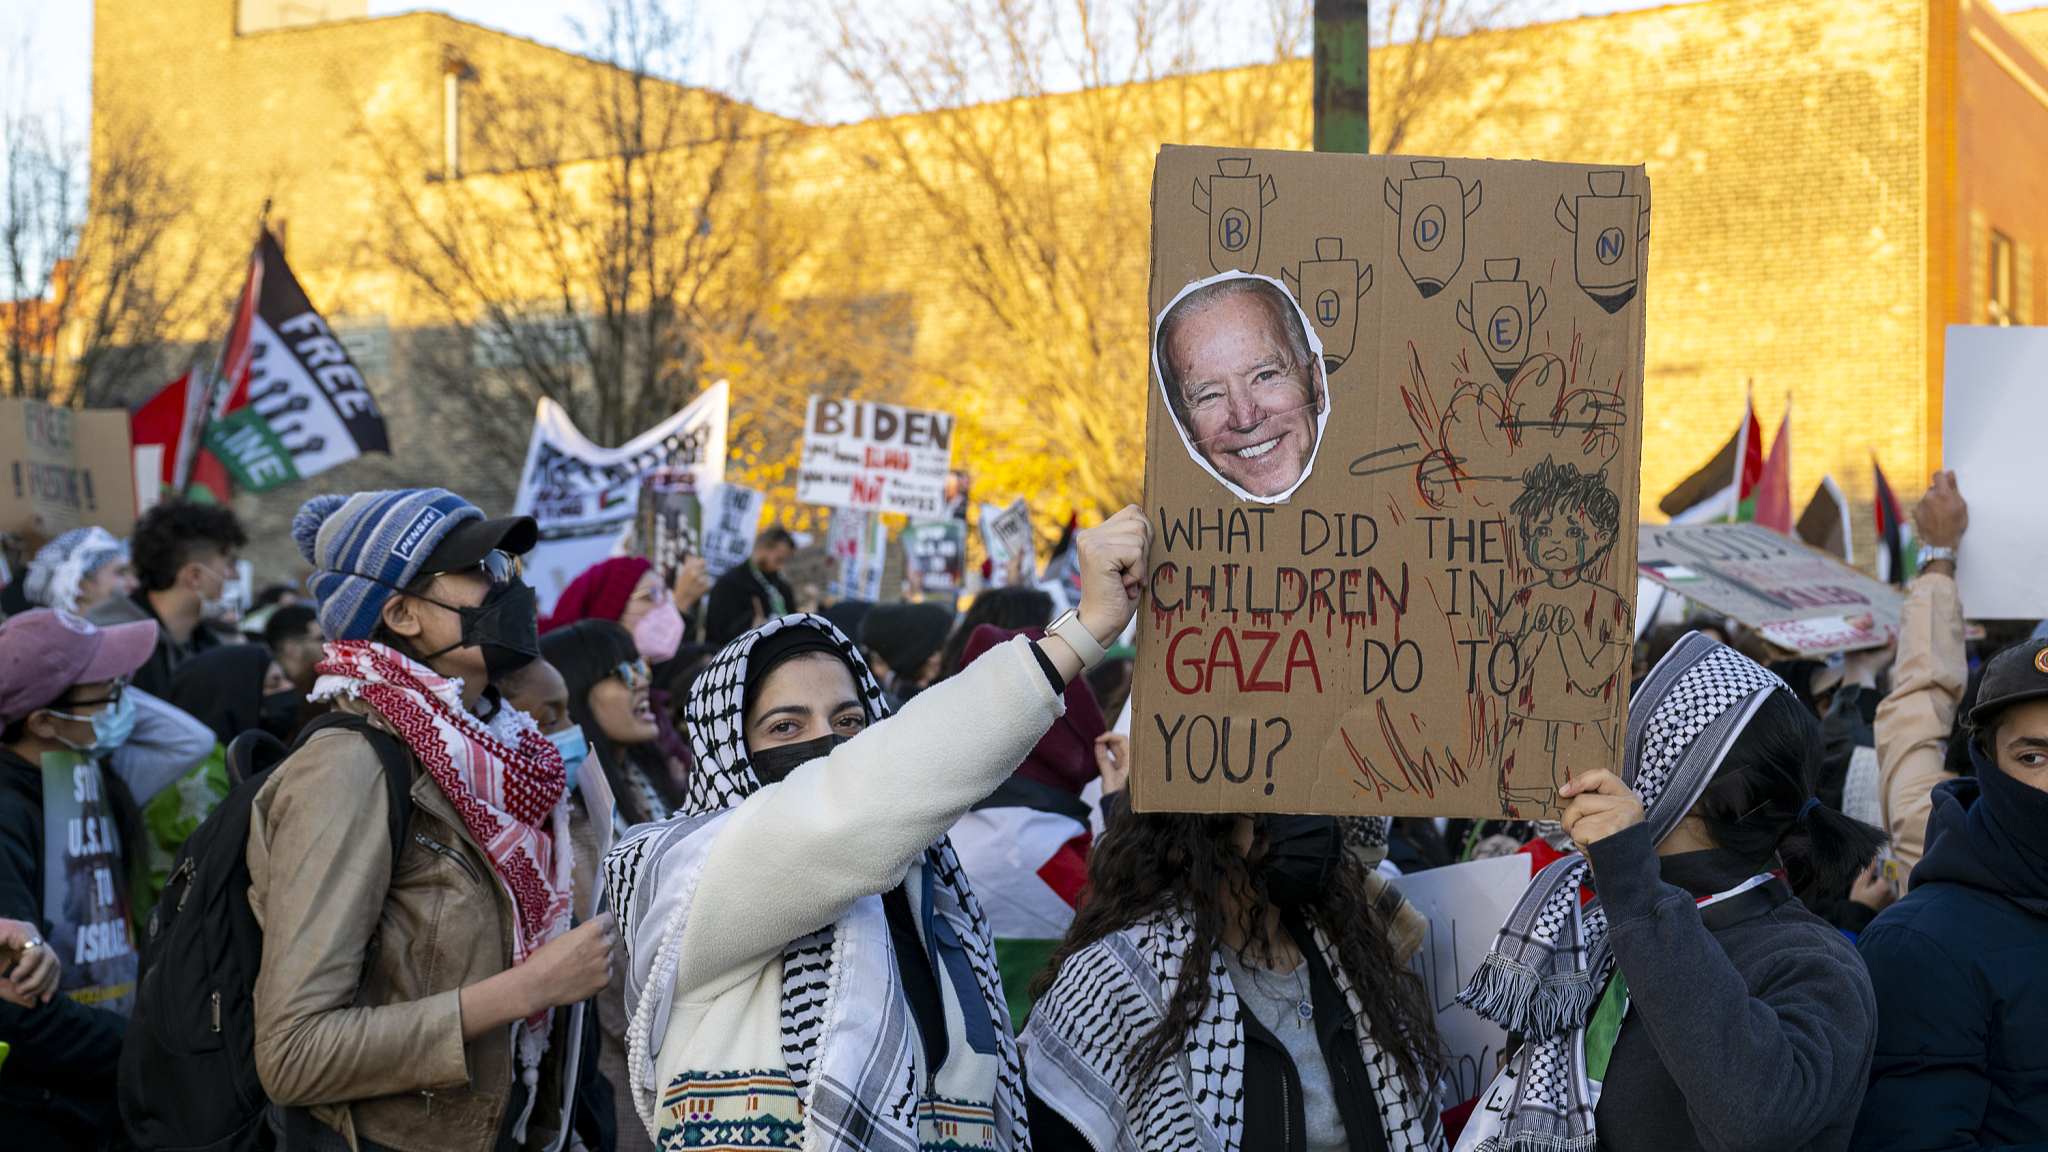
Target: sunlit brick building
(1835, 181)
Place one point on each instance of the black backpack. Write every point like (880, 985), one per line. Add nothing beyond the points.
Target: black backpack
(188, 1066)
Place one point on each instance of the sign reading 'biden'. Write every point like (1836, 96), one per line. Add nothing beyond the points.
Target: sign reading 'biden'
(875, 457)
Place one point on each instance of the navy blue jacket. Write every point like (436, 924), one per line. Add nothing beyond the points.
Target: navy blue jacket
(1960, 967)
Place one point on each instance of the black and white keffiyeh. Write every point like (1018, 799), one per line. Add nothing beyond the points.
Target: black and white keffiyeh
(851, 1063)
(1082, 1039)
(1551, 961)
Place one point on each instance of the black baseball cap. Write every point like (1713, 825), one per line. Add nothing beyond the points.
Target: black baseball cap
(2018, 674)
(470, 541)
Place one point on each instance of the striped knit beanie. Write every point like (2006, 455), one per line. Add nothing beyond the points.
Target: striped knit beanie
(368, 546)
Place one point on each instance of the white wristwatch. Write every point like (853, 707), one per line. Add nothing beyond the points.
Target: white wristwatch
(1069, 628)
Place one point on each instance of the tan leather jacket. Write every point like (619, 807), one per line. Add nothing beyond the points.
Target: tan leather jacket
(1913, 723)
(358, 1009)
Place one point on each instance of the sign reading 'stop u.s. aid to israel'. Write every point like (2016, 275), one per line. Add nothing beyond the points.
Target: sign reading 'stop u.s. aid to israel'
(1394, 430)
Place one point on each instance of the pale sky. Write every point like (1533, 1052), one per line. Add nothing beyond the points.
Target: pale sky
(58, 73)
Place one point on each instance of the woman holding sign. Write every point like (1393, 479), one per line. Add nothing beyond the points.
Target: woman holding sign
(1695, 1004)
(808, 964)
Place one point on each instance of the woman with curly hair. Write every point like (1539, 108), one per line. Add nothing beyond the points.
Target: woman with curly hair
(1231, 982)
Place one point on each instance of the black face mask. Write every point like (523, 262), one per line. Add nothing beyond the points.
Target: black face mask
(772, 764)
(279, 712)
(1301, 856)
(506, 627)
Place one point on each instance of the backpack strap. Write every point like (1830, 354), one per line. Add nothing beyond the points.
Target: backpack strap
(392, 754)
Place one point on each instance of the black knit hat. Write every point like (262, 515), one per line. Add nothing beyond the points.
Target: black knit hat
(904, 636)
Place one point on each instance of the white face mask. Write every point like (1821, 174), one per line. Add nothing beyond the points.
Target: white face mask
(213, 609)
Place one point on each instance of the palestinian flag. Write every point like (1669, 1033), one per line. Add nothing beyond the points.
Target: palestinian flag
(1025, 852)
(290, 403)
(1771, 503)
(1825, 523)
(1892, 532)
(1717, 491)
(165, 433)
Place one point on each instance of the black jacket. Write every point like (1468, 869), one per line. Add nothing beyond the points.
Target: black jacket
(1961, 971)
(158, 672)
(1756, 1036)
(57, 1087)
(734, 600)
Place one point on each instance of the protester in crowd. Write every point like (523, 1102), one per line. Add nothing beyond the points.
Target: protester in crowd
(29, 968)
(1024, 847)
(185, 555)
(1957, 964)
(293, 636)
(231, 689)
(1733, 1018)
(540, 691)
(266, 604)
(1014, 608)
(1914, 722)
(79, 571)
(808, 879)
(627, 589)
(439, 1036)
(1231, 981)
(62, 690)
(753, 593)
(611, 700)
(904, 643)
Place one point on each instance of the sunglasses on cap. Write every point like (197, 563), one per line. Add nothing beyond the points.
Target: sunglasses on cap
(499, 567)
(633, 673)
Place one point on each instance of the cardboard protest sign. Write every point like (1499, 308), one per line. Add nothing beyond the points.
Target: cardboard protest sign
(1993, 408)
(1393, 445)
(731, 519)
(66, 468)
(937, 552)
(1802, 599)
(669, 526)
(1465, 905)
(585, 497)
(875, 457)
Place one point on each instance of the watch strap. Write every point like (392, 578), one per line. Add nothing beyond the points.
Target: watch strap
(1929, 553)
(1070, 629)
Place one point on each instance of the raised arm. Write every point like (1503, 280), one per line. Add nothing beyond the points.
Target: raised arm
(1914, 722)
(848, 825)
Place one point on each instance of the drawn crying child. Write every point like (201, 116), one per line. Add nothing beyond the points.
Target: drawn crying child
(1572, 637)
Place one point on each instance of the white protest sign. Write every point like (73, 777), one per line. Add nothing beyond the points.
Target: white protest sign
(1006, 532)
(585, 497)
(1465, 905)
(1801, 598)
(731, 518)
(1994, 405)
(875, 457)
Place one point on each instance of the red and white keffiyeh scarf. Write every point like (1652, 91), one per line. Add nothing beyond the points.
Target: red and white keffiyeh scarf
(506, 781)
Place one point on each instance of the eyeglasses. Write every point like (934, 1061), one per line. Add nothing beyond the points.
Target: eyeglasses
(499, 567)
(112, 697)
(633, 673)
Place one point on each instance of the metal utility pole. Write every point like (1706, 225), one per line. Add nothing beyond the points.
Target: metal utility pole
(1342, 77)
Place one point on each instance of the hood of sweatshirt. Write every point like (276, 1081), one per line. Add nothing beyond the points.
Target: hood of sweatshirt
(1989, 831)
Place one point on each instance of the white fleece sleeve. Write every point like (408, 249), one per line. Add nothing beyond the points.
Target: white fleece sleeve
(795, 855)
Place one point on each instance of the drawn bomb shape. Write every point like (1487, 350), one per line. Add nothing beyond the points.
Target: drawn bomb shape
(1610, 228)
(1329, 288)
(1432, 207)
(1234, 200)
(1501, 311)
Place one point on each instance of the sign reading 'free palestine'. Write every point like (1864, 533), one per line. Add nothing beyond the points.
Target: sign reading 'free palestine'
(1393, 444)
